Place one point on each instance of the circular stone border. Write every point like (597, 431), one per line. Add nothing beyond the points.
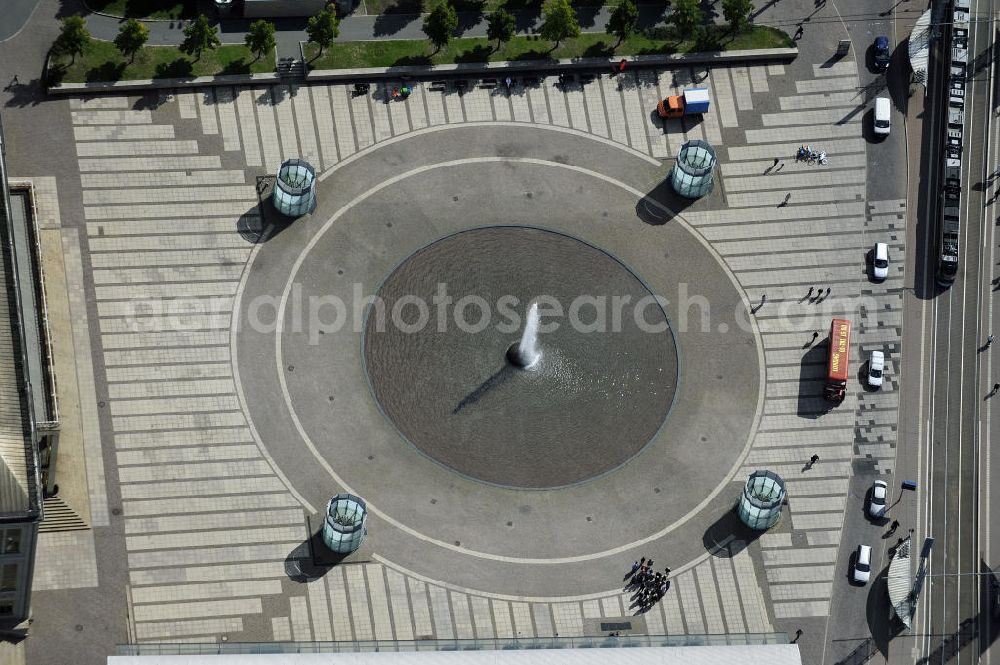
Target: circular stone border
(564, 453)
(447, 545)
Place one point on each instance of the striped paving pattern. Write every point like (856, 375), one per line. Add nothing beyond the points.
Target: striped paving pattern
(818, 239)
(165, 273)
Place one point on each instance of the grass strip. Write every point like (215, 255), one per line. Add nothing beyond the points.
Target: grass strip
(103, 62)
(395, 53)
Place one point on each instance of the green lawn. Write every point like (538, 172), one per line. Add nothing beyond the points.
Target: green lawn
(165, 9)
(391, 53)
(420, 6)
(103, 62)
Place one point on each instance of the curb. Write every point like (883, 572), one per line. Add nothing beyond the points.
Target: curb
(674, 60)
(573, 64)
(158, 84)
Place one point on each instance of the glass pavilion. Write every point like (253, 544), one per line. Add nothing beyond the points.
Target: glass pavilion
(763, 496)
(295, 188)
(692, 175)
(344, 527)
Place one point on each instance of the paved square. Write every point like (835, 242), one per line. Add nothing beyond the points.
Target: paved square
(202, 518)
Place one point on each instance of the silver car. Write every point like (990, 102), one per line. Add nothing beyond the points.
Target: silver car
(863, 564)
(880, 261)
(879, 495)
(876, 369)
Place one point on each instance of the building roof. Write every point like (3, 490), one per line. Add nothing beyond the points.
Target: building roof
(758, 654)
(919, 47)
(900, 583)
(19, 485)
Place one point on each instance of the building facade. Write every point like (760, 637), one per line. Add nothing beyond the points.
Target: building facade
(24, 372)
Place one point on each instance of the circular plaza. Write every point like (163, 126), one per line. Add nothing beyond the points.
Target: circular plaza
(371, 355)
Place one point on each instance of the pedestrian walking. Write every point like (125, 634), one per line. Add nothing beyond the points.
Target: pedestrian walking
(815, 335)
(810, 292)
(894, 526)
(776, 160)
(798, 634)
(813, 459)
(635, 567)
(996, 387)
(621, 66)
(989, 340)
(828, 289)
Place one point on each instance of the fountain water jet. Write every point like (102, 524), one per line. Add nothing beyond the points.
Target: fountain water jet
(525, 353)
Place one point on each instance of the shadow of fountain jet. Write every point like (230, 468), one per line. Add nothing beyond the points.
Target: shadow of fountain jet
(486, 386)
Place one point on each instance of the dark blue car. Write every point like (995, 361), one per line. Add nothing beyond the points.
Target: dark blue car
(881, 53)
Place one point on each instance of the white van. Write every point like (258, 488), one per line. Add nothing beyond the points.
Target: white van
(882, 113)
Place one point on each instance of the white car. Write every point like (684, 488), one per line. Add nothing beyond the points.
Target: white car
(880, 261)
(863, 564)
(883, 111)
(876, 367)
(880, 493)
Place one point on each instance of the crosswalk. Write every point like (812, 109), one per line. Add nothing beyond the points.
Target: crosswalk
(163, 189)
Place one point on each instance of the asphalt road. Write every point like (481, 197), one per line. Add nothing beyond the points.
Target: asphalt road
(16, 15)
(989, 463)
(858, 628)
(955, 382)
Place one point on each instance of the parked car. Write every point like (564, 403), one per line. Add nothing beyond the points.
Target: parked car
(876, 366)
(693, 101)
(863, 564)
(883, 111)
(880, 261)
(879, 494)
(882, 55)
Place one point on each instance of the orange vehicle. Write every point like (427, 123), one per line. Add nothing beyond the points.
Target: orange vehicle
(692, 101)
(838, 364)
(671, 107)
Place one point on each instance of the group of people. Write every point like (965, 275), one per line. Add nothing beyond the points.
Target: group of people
(806, 153)
(647, 585)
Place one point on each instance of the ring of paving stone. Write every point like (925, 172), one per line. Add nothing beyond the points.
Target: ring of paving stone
(600, 392)
(329, 433)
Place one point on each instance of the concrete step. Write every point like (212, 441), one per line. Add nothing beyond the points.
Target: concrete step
(59, 517)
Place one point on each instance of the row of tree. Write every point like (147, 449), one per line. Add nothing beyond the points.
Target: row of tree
(559, 22)
(199, 36)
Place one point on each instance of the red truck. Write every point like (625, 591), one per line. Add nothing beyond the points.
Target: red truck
(839, 360)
